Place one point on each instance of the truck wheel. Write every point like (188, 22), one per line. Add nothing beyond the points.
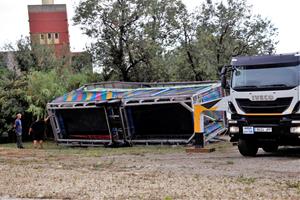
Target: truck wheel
(270, 148)
(247, 148)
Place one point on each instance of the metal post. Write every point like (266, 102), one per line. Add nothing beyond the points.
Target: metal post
(199, 125)
(122, 121)
(126, 125)
(54, 124)
(108, 126)
(199, 133)
(199, 140)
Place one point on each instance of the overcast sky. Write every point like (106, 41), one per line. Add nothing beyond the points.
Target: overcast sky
(285, 16)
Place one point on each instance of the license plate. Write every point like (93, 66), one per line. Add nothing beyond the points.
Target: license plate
(263, 129)
(248, 130)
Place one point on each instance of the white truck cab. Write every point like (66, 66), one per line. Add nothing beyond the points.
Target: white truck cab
(264, 101)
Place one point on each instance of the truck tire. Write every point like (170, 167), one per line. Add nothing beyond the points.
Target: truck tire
(270, 148)
(247, 148)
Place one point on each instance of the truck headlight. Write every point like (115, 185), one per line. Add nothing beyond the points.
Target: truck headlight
(295, 129)
(234, 129)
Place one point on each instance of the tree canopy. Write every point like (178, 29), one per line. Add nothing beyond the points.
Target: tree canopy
(136, 40)
(37, 78)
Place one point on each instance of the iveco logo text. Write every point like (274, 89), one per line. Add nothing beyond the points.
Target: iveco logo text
(262, 98)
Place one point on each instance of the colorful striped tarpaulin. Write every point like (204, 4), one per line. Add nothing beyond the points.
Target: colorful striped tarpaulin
(103, 94)
(86, 96)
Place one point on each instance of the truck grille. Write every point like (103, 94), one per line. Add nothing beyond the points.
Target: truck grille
(277, 106)
(267, 121)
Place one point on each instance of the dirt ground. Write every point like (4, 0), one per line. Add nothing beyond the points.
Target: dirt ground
(147, 172)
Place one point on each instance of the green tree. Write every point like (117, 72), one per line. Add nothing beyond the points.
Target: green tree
(130, 36)
(44, 86)
(82, 62)
(224, 30)
(37, 79)
(12, 98)
(30, 57)
(236, 30)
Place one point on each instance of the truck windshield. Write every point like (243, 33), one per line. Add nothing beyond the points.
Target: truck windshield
(265, 77)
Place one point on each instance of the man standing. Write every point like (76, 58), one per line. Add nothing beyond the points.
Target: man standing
(37, 130)
(18, 130)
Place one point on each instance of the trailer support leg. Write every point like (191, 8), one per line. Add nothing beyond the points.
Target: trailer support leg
(199, 132)
(199, 140)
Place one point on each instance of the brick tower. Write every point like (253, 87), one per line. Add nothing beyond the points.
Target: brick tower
(48, 25)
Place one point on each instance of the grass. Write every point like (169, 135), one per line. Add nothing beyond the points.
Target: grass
(246, 180)
(29, 145)
(52, 150)
(293, 184)
(221, 146)
(106, 164)
(229, 162)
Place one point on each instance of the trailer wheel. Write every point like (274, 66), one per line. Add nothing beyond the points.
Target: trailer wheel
(270, 148)
(247, 148)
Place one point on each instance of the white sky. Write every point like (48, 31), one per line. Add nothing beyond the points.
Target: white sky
(283, 14)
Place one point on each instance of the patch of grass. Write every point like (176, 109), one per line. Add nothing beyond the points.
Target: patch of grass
(197, 177)
(229, 162)
(101, 165)
(293, 184)
(247, 189)
(52, 150)
(168, 198)
(246, 180)
(221, 146)
(143, 150)
(29, 145)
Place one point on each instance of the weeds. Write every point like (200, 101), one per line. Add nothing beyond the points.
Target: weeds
(221, 146)
(52, 149)
(246, 180)
(293, 184)
(229, 162)
(102, 165)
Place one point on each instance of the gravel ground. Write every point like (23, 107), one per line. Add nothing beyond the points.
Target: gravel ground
(166, 175)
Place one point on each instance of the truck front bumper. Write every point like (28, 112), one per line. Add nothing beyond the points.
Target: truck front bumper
(266, 129)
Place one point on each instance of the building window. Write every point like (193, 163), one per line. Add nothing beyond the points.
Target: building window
(50, 38)
(56, 38)
(42, 39)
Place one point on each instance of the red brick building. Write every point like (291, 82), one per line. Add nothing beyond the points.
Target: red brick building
(49, 26)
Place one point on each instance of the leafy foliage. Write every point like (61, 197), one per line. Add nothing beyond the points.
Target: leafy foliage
(42, 87)
(218, 31)
(130, 36)
(45, 86)
(34, 56)
(40, 77)
(12, 98)
(160, 40)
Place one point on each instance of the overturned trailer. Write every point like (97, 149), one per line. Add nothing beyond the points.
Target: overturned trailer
(148, 113)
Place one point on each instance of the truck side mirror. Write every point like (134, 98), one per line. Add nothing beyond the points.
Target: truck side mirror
(224, 70)
(224, 83)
